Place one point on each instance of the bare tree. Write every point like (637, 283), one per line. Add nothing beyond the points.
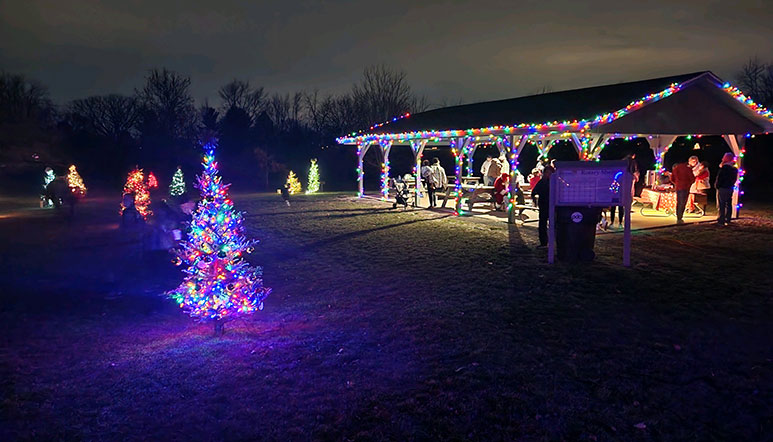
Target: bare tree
(280, 110)
(167, 103)
(23, 99)
(240, 94)
(383, 94)
(111, 116)
(756, 79)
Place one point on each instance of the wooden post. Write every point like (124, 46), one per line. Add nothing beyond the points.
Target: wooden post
(386, 146)
(627, 189)
(552, 219)
(362, 148)
(737, 144)
(515, 146)
(459, 145)
(417, 146)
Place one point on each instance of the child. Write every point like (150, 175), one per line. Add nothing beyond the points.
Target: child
(286, 194)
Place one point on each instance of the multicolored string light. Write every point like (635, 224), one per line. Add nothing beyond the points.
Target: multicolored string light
(137, 185)
(295, 185)
(75, 182)
(522, 128)
(219, 284)
(177, 187)
(313, 183)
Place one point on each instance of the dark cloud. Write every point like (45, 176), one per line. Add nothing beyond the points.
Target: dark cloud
(450, 49)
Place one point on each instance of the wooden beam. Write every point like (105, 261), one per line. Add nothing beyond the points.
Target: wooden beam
(515, 144)
(417, 147)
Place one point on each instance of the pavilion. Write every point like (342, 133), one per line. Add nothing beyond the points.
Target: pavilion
(658, 110)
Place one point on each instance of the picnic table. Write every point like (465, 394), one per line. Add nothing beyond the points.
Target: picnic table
(473, 193)
(665, 201)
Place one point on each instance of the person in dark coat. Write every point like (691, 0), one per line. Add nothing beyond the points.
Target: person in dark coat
(541, 195)
(725, 184)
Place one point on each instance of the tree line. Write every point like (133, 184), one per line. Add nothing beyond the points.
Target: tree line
(262, 134)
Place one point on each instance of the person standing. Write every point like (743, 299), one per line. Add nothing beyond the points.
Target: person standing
(682, 177)
(505, 164)
(484, 169)
(725, 184)
(437, 180)
(494, 170)
(541, 197)
(424, 172)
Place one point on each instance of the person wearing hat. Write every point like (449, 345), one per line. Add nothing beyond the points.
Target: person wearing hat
(725, 184)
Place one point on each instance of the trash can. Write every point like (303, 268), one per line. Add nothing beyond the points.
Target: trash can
(576, 233)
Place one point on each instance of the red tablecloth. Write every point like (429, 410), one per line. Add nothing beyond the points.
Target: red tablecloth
(665, 200)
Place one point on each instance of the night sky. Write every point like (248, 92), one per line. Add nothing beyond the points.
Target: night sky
(451, 50)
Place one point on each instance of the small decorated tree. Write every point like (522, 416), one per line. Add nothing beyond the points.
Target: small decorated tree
(136, 184)
(177, 187)
(218, 285)
(75, 182)
(295, 185)
(313, 186)
(152, 181)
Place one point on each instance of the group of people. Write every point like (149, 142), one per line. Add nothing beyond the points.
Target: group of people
(494, 168)
(434, 179)
(693, 178)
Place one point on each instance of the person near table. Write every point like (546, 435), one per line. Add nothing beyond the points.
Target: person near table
(505, 164)
(484, 169)
(541, 197)
(702, 177)
(494, 170)
(501, 190)
(725, 184)
(682, 178)
(424, 172)
(534, 177)
(437, 180)
(633, 169)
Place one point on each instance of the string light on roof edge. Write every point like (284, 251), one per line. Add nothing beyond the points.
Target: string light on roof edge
(219, 285)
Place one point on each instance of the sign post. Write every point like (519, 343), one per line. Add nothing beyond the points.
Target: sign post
(591, 184)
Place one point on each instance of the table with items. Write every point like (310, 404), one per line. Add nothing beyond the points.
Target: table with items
(663, 199)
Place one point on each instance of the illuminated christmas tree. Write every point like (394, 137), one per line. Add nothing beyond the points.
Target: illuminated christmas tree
(135, 184)
(313, 185)
(295, 185)
(75, 182)
(219, 285)
(177, 187)
(152, 181)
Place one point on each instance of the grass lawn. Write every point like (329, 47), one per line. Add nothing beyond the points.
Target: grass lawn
(388, 325)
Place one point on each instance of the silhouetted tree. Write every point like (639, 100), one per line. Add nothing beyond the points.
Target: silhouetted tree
(169, 122)
(115, 117)
(23, 99)
(382, 94)
(756, 79)
(239, 94)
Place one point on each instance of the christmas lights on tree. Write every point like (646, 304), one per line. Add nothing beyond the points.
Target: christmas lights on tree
(313, 186)
(295, 185)
(219, 285)
(177, 187)
(75, 182)
(152, 181)
(136, 185)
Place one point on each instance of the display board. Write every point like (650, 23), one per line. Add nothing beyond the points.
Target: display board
(591, 184)
(596, 184)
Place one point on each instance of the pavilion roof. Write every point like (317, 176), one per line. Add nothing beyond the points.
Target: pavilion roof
(611, 108)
